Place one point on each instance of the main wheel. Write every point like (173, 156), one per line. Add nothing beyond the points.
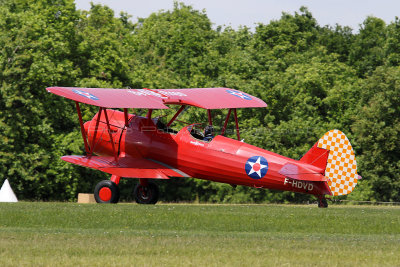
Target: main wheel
(106, 191)
(146, 194)
(322, 203)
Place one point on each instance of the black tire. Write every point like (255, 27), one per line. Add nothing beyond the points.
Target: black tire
(146, 194)
(322, 203)
(106, 191)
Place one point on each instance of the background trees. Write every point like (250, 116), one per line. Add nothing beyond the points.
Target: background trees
(313, 78)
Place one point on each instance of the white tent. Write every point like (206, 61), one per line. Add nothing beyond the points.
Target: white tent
(6, 193)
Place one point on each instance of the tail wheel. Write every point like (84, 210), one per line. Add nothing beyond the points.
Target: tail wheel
(146, 194)
(322, 203)
(106, 191)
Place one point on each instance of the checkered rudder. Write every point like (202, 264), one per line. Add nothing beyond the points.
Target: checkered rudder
(341, 169)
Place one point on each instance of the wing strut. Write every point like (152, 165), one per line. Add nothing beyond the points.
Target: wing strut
(78, 109)
(101, 109)
(237, 124)
(149, 114)
(111, 138)
(226, 121)
(176, 115)
(126, 116)
(95, 130)
(209, 117)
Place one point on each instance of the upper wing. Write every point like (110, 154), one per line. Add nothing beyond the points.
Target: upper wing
(108, 98)
(211, 98)
(207, 98)
(127, 167)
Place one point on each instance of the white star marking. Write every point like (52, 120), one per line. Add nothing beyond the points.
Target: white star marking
(239, 94)
(252, 167)
(85, 94)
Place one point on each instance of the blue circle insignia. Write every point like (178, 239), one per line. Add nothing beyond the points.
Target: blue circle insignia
(85, 94)
(256, 167)
(239, 94)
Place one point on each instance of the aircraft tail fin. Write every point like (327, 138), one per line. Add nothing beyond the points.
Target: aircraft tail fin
(334, 153)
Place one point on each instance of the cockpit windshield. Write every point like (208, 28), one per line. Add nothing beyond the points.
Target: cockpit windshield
(203, 134)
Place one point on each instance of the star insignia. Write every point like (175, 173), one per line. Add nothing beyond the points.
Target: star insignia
(85, 94)
(239, 94)
(256, 167)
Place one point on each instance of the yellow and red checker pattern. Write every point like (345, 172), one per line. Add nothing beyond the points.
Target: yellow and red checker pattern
(341, 169)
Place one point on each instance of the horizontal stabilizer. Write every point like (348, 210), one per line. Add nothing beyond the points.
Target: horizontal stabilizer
(299, 172)
(126, 167)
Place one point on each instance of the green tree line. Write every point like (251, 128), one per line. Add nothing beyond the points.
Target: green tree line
(314, 78)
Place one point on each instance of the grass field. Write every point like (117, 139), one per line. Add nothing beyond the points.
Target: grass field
(69, 234)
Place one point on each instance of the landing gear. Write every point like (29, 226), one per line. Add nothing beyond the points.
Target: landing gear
(322, 202)
(106, 191)
(146, 192)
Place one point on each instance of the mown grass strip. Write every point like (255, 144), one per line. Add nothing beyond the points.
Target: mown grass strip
(68, 234)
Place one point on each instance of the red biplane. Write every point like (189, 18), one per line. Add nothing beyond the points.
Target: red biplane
(144, 147)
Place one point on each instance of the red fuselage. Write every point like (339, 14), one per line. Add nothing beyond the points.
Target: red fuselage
(222, 159)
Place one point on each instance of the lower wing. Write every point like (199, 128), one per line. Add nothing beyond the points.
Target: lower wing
(127, 167)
